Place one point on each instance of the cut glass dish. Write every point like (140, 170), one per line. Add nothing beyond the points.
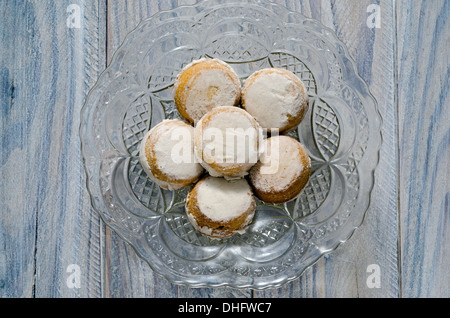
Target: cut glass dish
(341, 133)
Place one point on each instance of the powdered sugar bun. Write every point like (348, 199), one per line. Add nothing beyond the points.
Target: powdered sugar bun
(227, 142)
(203, 85)
(167, 155)
(283, 171)
(219, 208)
(277, 99)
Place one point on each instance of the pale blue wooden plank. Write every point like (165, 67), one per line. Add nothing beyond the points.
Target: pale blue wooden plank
(19, 61)
(424, 133)
(65, 218)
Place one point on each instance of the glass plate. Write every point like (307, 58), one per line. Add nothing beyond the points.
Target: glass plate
(341, 133)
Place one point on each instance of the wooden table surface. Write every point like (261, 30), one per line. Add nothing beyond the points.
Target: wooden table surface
(49, 60)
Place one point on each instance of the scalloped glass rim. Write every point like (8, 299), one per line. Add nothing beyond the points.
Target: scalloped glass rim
(318, 241)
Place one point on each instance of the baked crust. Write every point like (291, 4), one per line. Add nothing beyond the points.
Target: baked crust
(271, 192)
(291, 121)
(185, 81)
(213, 228)
(152, 164)
(229, 170)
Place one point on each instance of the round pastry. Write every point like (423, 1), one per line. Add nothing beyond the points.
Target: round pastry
(167, 155)
(219, 208)
(283, 171)
(203, 85)
(277, 99)
(227, 142)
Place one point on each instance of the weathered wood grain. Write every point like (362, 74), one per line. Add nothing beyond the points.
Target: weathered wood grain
(18, 217)
(424, 134)
(46, 221)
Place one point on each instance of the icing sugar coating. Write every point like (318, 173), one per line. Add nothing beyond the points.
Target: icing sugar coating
(220, 208)
(283, 171)
(221, 200)
(227, 142)
(276, 97)
(203, 85)
(167, 155)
